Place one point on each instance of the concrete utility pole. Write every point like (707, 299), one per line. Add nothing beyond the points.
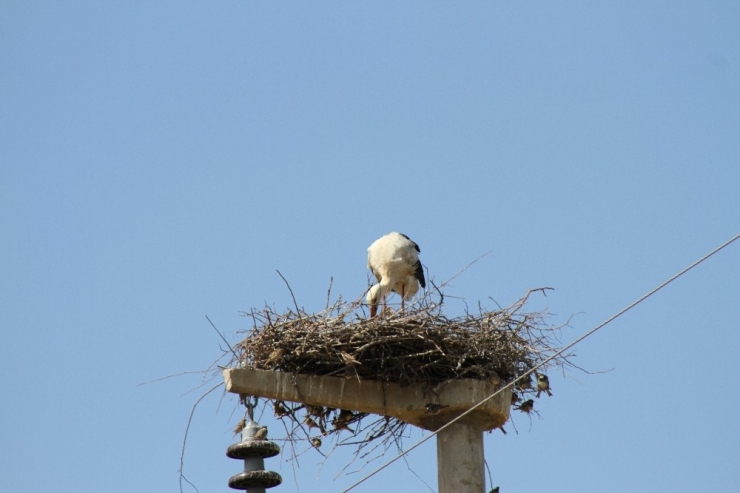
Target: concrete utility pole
(460, 466)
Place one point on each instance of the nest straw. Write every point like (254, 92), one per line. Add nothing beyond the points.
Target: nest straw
(421, 346)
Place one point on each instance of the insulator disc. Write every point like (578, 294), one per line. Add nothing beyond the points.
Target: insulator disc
(264, 479)
(253, 448)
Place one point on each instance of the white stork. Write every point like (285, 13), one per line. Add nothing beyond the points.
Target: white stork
(394, 261)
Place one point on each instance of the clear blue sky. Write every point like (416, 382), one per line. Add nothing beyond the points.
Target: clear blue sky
(160, 160)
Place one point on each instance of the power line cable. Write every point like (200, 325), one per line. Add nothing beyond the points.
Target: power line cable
(555, 355)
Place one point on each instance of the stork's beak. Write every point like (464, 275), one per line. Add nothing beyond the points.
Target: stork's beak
(373, 310)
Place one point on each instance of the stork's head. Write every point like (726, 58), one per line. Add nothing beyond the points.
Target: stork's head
(373, 298)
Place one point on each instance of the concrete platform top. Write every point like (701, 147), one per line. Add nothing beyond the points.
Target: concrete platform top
(416, 404)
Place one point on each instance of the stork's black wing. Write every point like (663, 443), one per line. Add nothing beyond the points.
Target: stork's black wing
(419, 274)
(413, 243)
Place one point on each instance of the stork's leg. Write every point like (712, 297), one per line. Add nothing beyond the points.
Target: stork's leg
(403, 294)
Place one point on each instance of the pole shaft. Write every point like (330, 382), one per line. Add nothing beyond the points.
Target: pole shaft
(460, 459)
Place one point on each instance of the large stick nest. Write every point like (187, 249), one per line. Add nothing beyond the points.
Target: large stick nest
(421, 346)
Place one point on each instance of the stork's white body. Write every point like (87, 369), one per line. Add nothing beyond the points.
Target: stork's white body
(394, 261)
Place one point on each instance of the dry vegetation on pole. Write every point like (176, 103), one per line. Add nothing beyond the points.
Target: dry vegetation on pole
(421, 346)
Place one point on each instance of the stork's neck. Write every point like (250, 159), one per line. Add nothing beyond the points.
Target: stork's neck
(377, 292)
(383, 289)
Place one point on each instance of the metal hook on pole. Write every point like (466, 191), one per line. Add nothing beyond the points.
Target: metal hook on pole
(250, 408)
(246, 400)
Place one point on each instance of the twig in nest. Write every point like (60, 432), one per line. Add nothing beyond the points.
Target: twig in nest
(445, 283)
(328, 292)
(222, 337)
(298, 310)
(185, 438)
